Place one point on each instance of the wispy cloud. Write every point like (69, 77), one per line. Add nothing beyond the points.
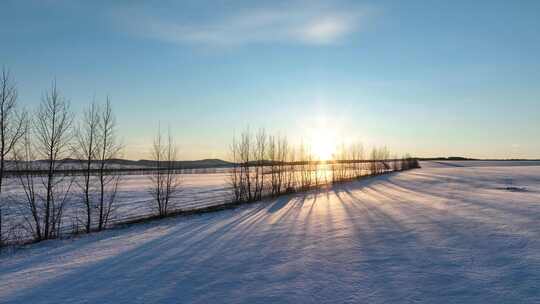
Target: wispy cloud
(304, 24)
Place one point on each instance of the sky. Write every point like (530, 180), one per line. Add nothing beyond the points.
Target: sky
(429, 78)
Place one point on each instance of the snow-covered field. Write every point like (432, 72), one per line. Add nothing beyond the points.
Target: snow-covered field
(133, 200)
(440, 234)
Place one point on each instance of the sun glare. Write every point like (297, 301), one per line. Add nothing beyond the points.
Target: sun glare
(323, 144)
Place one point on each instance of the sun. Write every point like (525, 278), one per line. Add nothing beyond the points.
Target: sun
(323, 144)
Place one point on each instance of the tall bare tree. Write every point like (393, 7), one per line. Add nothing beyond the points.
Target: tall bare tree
(235, 175)
(11, 122)
(244, 152)
(282, 152)
(11, 128)
(357, 154)
(25, 162)
(108, 149)
(273, 158)
(165, 182)
(291, 171)
(85, 149)
(52, 125)
(259, 153)
(305, 175)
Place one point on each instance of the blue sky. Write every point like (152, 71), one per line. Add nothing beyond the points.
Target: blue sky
(421, 77)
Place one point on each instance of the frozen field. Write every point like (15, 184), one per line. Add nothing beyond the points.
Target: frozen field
(440, 234)
(133, 199)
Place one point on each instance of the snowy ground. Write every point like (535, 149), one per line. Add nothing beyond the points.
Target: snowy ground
(133, 200)
(440, 234)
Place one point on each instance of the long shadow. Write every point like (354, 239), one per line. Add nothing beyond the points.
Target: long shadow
(418, 210)
(280, 202)
(78, 278)
(194, 238)
(48, 251)
(448, 241)
(501, 207)
(383, 242)
(436, 216)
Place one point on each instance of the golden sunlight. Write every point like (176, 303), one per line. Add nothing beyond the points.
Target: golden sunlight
(323, 144)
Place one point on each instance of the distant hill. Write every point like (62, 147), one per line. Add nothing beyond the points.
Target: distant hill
(144, 163)
(188, 164)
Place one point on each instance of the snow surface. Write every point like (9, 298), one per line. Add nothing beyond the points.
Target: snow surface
(441, 234)
(133, 201)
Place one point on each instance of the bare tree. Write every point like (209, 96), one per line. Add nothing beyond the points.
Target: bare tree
(259, 154)
(235, 175)
(384, 156)
(52, 126)
(282, 152)
(108, 148)
(165, 182)
(357, 152)
(11, 122)
(291, 173)
(86, 151)
(305, 175)
(395, 163)
(244, 150)
(373, 165)
(273, 159)
(256, 158)
(11, 129)
(25, 163)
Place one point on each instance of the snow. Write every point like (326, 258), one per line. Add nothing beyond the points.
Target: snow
(440, 234)
(133, 199)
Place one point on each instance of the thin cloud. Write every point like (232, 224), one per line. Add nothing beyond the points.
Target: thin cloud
(300, 25)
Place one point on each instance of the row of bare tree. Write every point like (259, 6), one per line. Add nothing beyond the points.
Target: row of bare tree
(267, 165)
(44, 140)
